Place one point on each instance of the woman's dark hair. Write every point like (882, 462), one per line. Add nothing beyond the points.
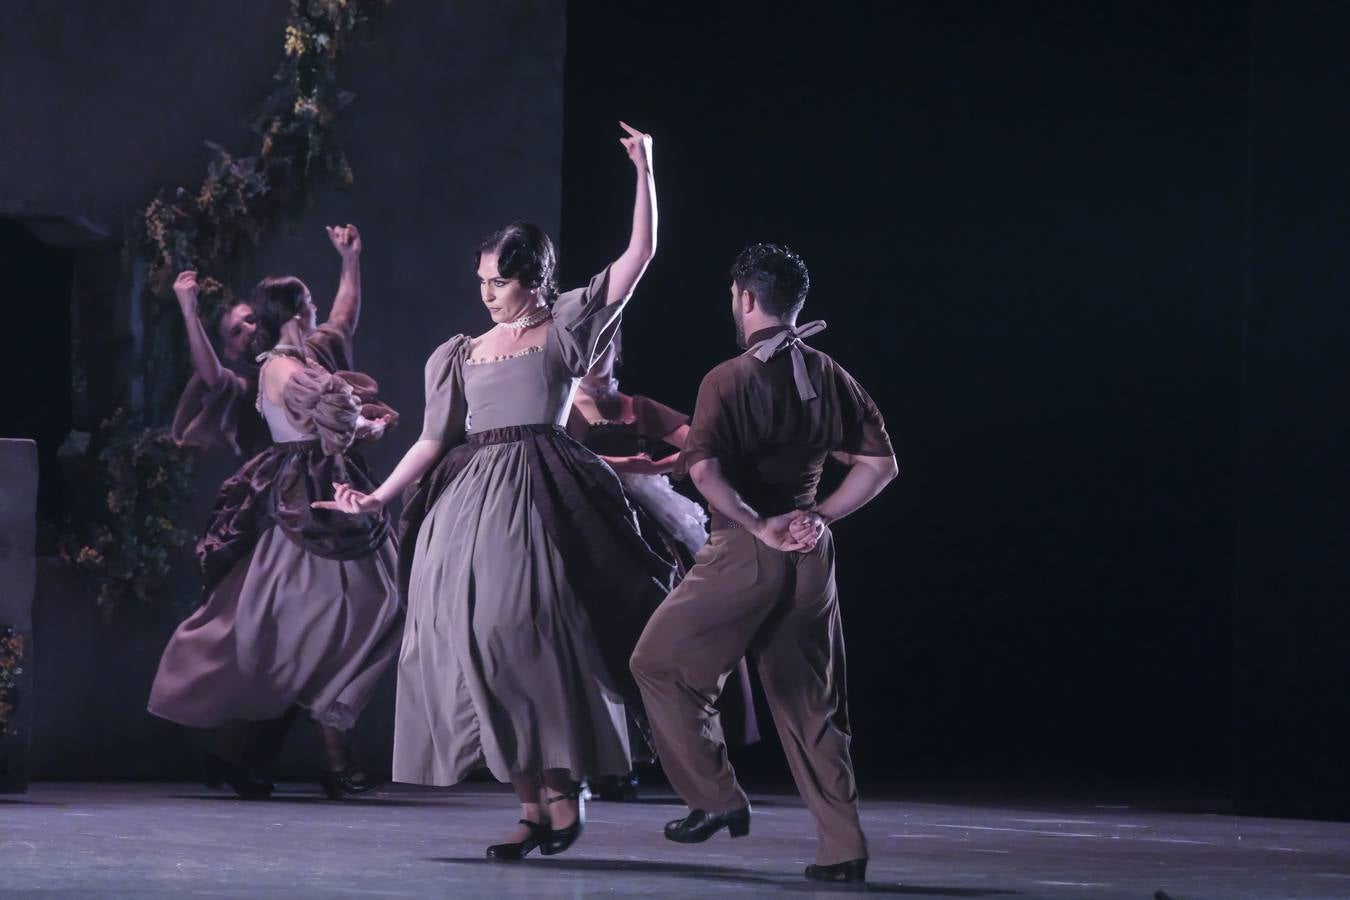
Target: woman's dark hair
(276, 300)
(213, 314)
(777, 277)
(526, 253)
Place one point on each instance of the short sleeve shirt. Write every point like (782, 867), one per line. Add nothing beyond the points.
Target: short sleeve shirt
(770, 443)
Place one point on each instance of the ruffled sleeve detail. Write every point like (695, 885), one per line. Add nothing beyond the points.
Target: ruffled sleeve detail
(324, 404)
(367, 391)
(584, 324)
(446, 407)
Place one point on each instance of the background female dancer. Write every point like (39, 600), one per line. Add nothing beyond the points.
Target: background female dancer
(641, 438)
(216, 410)
(526, 573)
(301, 607)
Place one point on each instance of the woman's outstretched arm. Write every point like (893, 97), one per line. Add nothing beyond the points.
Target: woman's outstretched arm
(625, 272)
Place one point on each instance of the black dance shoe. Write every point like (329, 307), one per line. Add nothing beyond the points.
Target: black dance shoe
(350, 782)
(698, 826)
(241, 780)
(538, 835)
(559, 839)
(614, 788)
(853, 871)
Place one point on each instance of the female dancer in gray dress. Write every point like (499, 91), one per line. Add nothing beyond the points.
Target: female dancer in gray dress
(301, 607)
(526, 574)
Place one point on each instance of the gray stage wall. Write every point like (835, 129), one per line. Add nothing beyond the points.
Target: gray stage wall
(18, 527)
(456, 128)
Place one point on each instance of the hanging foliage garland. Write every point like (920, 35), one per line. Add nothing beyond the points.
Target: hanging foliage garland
(11, 668)
(127, 541)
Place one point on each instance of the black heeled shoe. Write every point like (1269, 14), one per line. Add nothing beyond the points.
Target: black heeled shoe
(350, 782)
(559, 839)
(614, 788)
(538, 835)
(853, 871)
(698, 826)
(241, 780)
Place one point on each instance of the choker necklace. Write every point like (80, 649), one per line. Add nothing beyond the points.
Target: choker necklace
(609, 389)
(540, 315)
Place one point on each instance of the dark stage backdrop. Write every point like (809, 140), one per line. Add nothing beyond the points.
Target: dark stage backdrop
(1085, 256)
(1026, 227)
(1292, 653)
(455, 129)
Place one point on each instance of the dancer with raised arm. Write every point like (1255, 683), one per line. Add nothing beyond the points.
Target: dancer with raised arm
(217, 410)
(528, 581)
(301, 606)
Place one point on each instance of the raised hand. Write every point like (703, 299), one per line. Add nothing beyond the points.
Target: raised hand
(185, 289)
(776, 532)
(372, 429)
(638, 146)
(346, 239)
(347, 499)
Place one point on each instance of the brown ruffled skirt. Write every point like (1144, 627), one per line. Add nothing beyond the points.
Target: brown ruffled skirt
(301, 608)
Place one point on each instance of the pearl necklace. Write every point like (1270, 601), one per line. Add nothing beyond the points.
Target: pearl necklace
(539, 316)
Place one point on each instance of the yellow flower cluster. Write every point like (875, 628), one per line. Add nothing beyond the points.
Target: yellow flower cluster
(296, 42)
(207, 194)
(154, 221)
(210, 287)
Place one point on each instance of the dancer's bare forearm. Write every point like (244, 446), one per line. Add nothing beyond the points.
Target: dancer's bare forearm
(866, 477)
(204, 359)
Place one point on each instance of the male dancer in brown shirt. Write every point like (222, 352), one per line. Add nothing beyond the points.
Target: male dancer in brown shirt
(763, 425)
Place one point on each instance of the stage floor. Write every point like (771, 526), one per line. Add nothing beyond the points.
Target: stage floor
(148, 840)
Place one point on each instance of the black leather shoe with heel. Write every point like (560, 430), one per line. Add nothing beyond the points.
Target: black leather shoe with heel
(698, 826)
(853, 871)
(520, 849)
(559, 839)
(241, 780)
(350, 782)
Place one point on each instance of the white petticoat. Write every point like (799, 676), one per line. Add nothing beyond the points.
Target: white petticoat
(684, 519)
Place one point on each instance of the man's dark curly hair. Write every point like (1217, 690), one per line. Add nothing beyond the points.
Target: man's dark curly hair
(775, 275)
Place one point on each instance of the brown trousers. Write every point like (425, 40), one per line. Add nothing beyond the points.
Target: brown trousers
(783, 608)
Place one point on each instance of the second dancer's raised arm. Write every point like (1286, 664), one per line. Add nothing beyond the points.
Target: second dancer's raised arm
(204, 359)
(346, 312)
